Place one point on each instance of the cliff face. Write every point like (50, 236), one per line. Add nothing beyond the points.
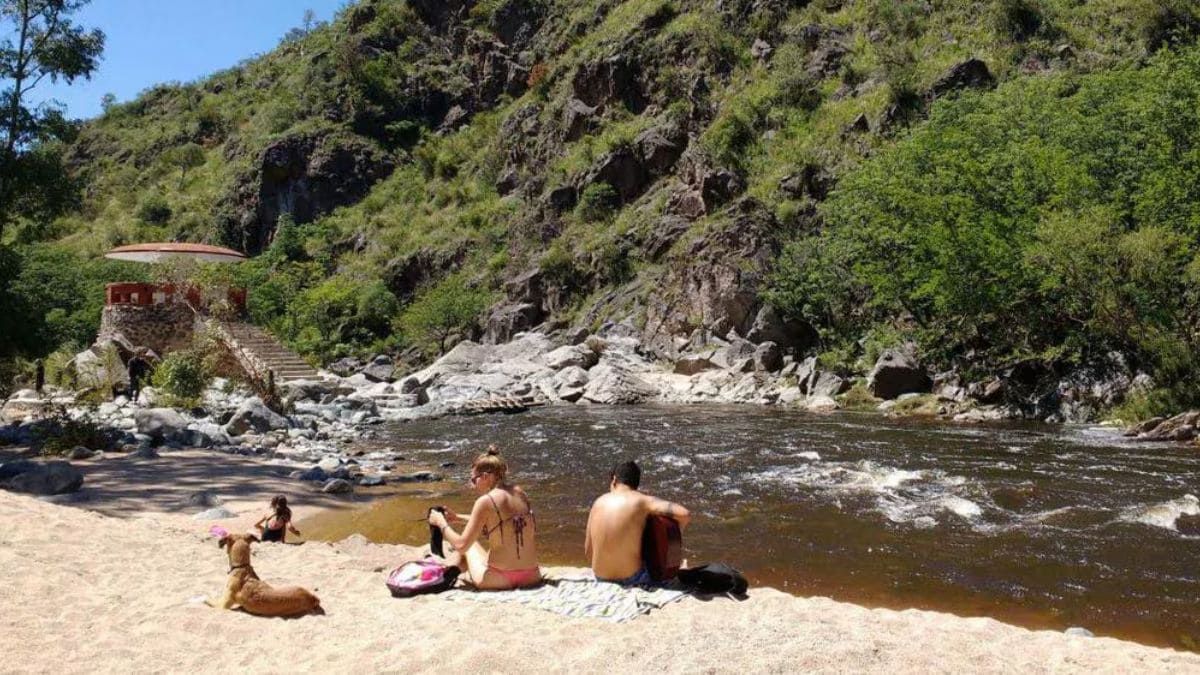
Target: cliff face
(587, 159)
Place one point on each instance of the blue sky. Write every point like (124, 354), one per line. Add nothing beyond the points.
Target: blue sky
(152, 41)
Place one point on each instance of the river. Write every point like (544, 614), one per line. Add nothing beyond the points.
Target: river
(1042, 526)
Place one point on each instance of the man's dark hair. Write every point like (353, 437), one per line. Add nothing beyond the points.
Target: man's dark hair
(628, 473)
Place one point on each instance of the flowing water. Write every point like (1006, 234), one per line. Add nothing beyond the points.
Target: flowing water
(1047, 527)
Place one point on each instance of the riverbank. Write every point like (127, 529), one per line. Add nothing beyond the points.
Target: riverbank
(90, 592)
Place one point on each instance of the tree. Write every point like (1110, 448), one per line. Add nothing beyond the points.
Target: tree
(187, 156)
(443, 310)
(107, 101)
(42, 43)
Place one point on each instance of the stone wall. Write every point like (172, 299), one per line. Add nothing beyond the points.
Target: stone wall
(164, 328)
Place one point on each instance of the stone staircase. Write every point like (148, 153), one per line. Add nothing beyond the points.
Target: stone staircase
(261, 355)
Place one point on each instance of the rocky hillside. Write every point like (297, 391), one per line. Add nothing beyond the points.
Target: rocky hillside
(572, 161)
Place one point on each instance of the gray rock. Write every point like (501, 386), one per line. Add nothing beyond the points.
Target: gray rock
(611, 385)
(1079, 632)
(768, 357)
(203, 498)
(827, 384)
(218, 513)
(1181, 427)
(417, 477)
(50, 478)
(984, 414)
(254, 415)
(337, 486)
(896, 372)
(329, 464)
(508, 319)
(314, 475)
(79, 452)
(693, 363)
(16, 467)
(372, 480)
(579, 356)
(345, 366)
(792, 336)
(380, 369)
(734, 355)
(144, 452)
(159, 424)
(806, 372)
(821, 404)
(571, 377)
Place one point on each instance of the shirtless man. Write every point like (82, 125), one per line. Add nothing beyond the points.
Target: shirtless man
(615, 524)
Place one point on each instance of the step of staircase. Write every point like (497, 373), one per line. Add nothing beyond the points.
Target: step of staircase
(284, 363)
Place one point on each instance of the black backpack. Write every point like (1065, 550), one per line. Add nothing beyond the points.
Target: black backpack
(714, 578)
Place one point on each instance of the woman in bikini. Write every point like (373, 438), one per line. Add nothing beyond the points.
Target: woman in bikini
(275, 525)
(502, 517)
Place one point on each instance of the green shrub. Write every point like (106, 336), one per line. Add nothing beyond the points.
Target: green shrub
(452, 306)
(182, 377)
(154, 209)
(597, 202)
(859, 398)
(1054, 218)
(60, 432)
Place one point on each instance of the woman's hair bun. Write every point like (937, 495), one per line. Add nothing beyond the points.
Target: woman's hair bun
(492, 451)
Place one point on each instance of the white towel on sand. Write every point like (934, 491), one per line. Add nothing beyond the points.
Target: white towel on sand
(579, 597)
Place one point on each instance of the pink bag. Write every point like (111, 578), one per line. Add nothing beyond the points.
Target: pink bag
(421, 576)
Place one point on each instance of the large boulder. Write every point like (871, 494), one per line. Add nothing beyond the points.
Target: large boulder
(337, 486)
(51, 478)
(615, 79)
(254, 415)
(969, 74)
(897, 372)
(824, 384)
(380, 369)
(612, 385)
(805, 373)
(768, 357)
(579, 119)
(345, 367)
(694, 363)
(160, 424)
(1181, 427)
(735, 354)
(571, 377)
(622, 169)
(16, 467)
(23, 404)
(508, 319)
(580, 356)
(659, 148)
(792, 336)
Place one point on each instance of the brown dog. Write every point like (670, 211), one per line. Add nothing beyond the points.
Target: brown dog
(245, 590)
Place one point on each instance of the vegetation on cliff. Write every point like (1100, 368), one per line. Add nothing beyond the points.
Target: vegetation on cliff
(998, 181)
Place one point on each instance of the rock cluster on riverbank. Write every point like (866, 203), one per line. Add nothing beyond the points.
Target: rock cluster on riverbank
(320, 418)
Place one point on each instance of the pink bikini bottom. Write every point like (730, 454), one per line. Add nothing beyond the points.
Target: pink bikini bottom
(519, 578)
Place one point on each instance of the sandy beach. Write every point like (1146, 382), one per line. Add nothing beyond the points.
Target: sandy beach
(116, 580)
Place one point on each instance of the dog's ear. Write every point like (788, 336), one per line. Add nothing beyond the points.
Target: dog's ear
(224, 541)
(253, 538)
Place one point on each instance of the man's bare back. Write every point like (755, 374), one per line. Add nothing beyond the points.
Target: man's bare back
(614, 532)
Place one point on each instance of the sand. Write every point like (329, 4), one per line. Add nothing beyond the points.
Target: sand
(115, 582)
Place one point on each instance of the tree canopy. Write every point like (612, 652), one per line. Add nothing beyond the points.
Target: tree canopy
(43, 44)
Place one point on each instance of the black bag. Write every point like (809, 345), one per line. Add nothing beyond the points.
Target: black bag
(714, 578)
